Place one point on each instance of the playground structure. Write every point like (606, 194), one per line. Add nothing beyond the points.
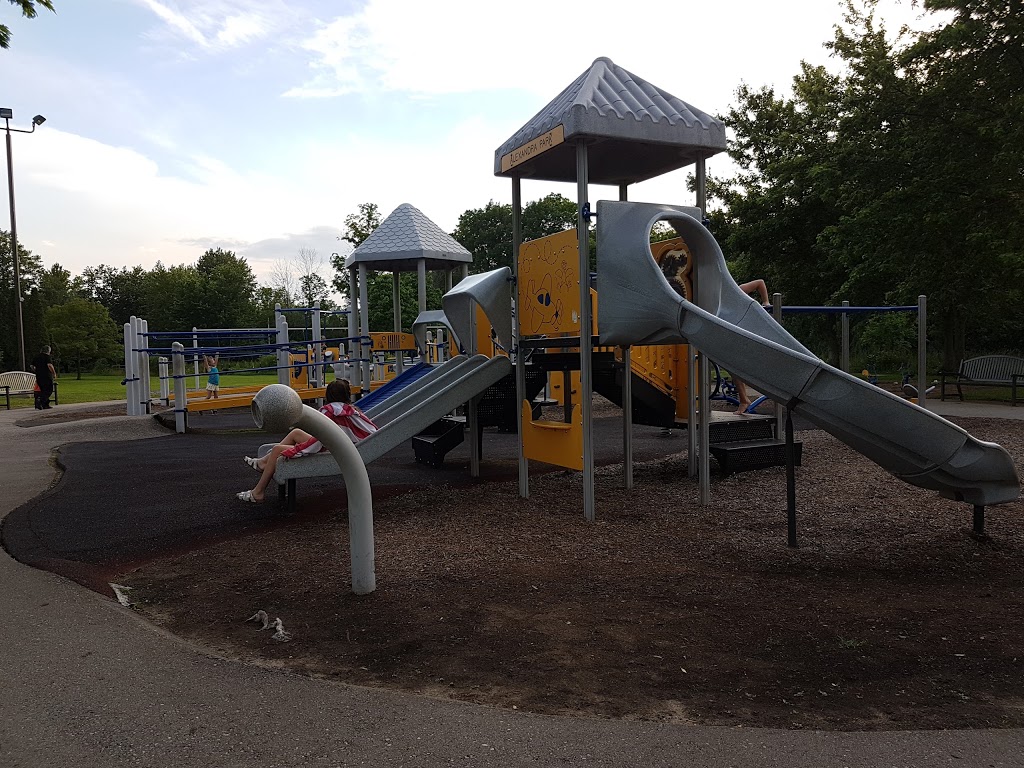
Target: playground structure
(296, 363)
(672, 303)
(665, 311)
(610, 127)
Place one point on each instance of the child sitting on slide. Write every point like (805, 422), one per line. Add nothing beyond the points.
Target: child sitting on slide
(297, 443)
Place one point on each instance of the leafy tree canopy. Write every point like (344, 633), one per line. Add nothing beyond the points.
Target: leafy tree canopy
(28, 10)
(81, 333)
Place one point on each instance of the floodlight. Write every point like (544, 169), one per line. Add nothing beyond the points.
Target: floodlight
(38, 120)
(6, 113)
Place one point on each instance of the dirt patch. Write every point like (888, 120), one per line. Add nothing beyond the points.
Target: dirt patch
(890, 614)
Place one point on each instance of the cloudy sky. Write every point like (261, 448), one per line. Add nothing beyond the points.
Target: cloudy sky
(258, 125)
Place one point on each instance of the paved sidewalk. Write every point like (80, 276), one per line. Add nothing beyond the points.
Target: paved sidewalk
(86, 683)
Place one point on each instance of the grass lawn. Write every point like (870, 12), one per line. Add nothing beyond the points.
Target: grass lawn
(98, 387)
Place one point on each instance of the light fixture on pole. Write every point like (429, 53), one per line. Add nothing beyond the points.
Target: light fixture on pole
(7, 114)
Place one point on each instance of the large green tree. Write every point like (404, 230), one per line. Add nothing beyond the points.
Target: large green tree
(224, 291)
(358, 226)
(487, 232)
(120, 289)
(29, 268)
(81, 333)
(29, 11)
(893, 179)
(58, 286)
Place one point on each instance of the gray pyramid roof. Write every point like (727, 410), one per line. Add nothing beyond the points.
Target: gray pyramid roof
(638, 131)
(405, 237)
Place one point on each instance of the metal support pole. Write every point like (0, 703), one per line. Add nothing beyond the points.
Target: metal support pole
(627, 395)
(790, 480)
(472, 416)
(922, 351)
(180, 387)
(319, 378)
(365, 348)
(978, 527)
(517, 241)
(586, 374)
(355, 347)
(14, 253)
(421, 283)
(145, 393)
(844, 362)
(627, 417)
(692, 425)
(704, 365)
(779, 407)
(396, 301)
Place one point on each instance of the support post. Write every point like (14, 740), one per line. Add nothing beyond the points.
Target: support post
(180, 387)
(844, 362)
(517, 241)
(586, 339)
(319, 379)
(922, 351)
(978, 527)
(396, 301)
(790, 480)
(627, 396)
(704, 364)
(421, 284)
(146, 395)
(365, 348)
(692, 425)
(777, 315)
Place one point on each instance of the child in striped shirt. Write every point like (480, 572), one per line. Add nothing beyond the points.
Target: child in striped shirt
(298, 443)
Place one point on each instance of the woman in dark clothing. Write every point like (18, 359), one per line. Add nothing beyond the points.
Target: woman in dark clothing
(42, 365)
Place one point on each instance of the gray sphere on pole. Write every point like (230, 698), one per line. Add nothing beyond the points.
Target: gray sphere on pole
(276, 408)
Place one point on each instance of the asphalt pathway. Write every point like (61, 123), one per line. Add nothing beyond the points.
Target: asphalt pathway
(87, 683)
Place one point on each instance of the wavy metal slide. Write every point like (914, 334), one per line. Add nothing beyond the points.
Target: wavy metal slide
(638, 306)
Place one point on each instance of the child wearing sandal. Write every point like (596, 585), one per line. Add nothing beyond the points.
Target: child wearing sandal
(298, 443)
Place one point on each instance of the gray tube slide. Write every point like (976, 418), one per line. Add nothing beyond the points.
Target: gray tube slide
(638, 306)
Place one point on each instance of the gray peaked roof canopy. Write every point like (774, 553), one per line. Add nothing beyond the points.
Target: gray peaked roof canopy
(638, 131)
(403, 239)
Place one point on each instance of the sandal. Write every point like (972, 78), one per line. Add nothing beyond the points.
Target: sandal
(247, 497)
(254, 463)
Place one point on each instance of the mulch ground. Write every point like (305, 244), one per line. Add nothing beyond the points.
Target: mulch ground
(889, 615)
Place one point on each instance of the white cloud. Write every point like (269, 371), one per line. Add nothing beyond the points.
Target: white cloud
(218, 24)
(467, 46)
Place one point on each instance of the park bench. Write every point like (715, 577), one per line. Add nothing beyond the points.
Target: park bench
(20, 383)
(986, 371)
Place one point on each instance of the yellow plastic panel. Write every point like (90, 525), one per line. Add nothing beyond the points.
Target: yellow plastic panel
(553, 442)
(549, 285)
(556, 383)
(298, 374)
(389, 341)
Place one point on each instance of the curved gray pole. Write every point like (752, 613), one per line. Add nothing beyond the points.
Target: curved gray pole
(277, 408)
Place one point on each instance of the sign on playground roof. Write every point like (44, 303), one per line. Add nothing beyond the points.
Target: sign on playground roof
(532, 148)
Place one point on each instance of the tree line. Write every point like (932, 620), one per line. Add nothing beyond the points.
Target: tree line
(898, 175)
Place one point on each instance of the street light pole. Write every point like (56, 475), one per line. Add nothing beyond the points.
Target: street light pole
(7, 114)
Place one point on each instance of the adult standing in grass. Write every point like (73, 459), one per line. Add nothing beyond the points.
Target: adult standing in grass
(46, 374)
